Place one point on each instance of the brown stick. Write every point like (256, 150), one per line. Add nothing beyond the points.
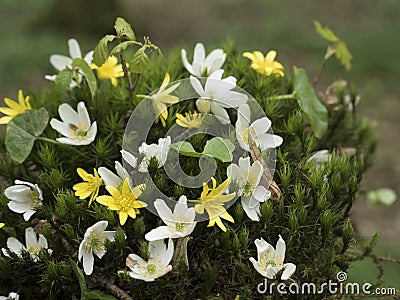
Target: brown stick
(55, 234)
(115, 290)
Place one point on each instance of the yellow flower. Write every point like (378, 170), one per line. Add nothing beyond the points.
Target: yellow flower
(90, 186)
(2, 225)
(265, 65)
(14, 108)
(213, 202)
(190, 120)
(161, 98)
(123, 200)
(109, 70)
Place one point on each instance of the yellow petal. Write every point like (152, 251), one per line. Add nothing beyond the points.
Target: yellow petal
(83, 174)
(5, 120)
(270, 56)
(123, 216)
(11, 103)
(249, 55)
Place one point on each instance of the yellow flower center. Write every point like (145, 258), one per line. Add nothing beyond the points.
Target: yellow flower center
(191, 120)
(151, 269)
(246, 132)
(34, 251)
(95, 242)
(179, 227)
(78, 131)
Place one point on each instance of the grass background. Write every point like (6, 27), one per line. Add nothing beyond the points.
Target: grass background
(30, 31)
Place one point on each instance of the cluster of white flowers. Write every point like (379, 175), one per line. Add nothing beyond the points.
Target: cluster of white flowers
(215, 97)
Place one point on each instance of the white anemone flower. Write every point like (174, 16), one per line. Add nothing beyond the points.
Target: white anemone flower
(202, 64)
(247, 179)
(270, 260)
(158, 151)
(11, 296)
(94, 243)
(33, 245)
(158, 264)
(217, 95)
(258, 131)
(25, 198)
(60, 62)
(111, 179)
(76, 126)
(180, 223)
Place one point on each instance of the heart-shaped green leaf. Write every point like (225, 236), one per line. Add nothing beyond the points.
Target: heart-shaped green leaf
(22, 132)
(220, 148)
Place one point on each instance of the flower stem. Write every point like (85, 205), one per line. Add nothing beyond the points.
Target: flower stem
(47, 140)
(130, 87)
(193, 201)
(291, 96)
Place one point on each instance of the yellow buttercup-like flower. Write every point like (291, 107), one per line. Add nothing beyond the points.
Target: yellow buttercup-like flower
(2, 225)
(212, 200)
(90, 186)
(110, 69)
(14, 108)
(124, 200)
(265, 65)
(191, 120)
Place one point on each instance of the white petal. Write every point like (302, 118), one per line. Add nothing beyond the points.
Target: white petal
(88, 262)
(243, 116)
(233, 172)
(91, 134)
(122, 173)
(83, 114)
(89, 57)
(263, 246)
(231, 99)
(110, 235)
(272, 271)
(15, 246)
(159, 233)
(255, 172)
(69, 141)
(217, 75)
(256, 265)
(215, 59)
(260, 194)
(60, 62)
(253, 212)
(137, 259)
(157, 249)
(280, 250)
(186, 63)
(18, 192)
(68, 114)
(100, 253)
(197, 86)
(168, 255)
(268, 141)
(61, 127)
(220, 113)
(288, 271)
(261, 125)
(163, 211)
(129, 158)
(43, 242)
(181, 207)
(28, 214)
(74, 49)
(19, 207)
(30, 238)
(50, 77)
(109, 177)
(199, 54)
(98, 227)
(244, 166)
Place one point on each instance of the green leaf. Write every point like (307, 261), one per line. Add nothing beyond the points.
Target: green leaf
(220, 148)
(101, 51)
(329, 51)
(344, 55)
(87, 73)
(81, 278)
(384, 196)
(123, 28)
(98, 295)
(325, 32)
(22, 131)
(63, 79)
(313, 109)
(185, 148)
(139, 61)
(123, 46)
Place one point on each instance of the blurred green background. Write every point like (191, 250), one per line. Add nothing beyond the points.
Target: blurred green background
(30, 31)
